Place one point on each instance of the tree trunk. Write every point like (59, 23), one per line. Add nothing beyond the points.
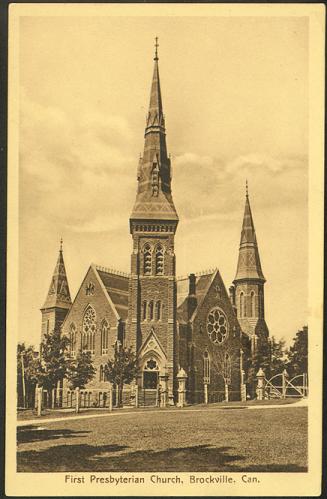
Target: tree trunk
(120, 394)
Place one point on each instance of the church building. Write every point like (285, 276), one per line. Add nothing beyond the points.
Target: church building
(191, 324)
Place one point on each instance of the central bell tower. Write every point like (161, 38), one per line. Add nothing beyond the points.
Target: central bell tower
(152, 291)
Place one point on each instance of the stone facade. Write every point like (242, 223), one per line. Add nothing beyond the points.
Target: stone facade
(187, 329)
(200, 340)
(108, 319)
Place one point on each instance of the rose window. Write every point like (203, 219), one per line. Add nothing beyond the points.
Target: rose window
(217, 326)
(151, 365)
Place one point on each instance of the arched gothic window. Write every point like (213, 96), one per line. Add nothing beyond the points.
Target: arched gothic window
(206, 368)
(72, 337)
(253, 304)
(151, 307)
(144, 311)
(242, 305)
(159, 260)
(158, 310)
(89, 328)
(105, 337)
(103, 373)
(147, 260)
(227, 368)
(261, 304)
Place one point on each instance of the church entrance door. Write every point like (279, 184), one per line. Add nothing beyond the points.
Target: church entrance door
(150, 380)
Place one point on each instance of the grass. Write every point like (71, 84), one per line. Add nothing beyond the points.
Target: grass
(26, 414)
(264, 440)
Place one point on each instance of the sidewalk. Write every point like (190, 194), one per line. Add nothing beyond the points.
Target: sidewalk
(122, 412)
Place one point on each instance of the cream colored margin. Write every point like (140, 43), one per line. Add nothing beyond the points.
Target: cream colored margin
(279, 484)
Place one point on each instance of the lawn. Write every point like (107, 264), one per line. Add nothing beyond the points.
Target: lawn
(265, 440)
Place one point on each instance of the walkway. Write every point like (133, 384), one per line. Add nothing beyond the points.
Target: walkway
(300, 403)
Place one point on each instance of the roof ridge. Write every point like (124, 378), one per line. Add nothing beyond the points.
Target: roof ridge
(198, 274)
(111, 271)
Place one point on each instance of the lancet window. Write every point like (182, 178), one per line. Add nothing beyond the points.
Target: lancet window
(242, 305)
(206, 368)
(144, 307)
(227, 369)
(89, 328)
(159, 260)
(253, 304)
(104, 337)
(147, 266)
(151, 310)
(158, 310)
(72, 337)
(102, 373)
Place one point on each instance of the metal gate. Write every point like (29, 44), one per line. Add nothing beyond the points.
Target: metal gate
(280, 386)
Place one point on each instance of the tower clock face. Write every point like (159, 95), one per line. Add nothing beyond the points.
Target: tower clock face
(217, 326)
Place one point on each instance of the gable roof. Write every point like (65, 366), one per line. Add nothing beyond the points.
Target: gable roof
(116, 284)
(203, 281)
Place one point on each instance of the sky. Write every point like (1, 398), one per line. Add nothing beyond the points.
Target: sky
(235, 97)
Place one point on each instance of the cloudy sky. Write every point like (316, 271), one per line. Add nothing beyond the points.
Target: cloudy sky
(235, 96)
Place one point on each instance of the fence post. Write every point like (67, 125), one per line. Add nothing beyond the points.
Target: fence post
(77, 394)
(305, 385)
(284, 387)
(226, 393)
(36, 395)
(243, 386)
(163, 382)
(53, 398)
(136, 388)
(39, 401)
(205, 393)
(181, 377)
(110, 399)
(261, 384)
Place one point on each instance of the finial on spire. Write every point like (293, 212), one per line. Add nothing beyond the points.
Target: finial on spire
(156, 49)
(61, 241)
(246, 188)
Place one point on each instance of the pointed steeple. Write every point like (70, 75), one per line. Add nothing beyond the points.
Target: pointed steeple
(249, 266)
(154, 199)
(58, 295)
(155, 114)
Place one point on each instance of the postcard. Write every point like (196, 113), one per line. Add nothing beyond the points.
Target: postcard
(165, 249)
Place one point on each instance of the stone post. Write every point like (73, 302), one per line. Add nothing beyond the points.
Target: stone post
(35, 396)
(163, 383)
(261, 384)
(226, 392)
(136, 391)
(284, 383)
(206, 399)
(53, 394)
(39, 401)
(77, 400)
(181, 378)
(110, 399)
(243, 386)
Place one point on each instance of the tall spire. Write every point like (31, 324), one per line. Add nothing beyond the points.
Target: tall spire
(154, 199)
(249, 266)
(58, 295)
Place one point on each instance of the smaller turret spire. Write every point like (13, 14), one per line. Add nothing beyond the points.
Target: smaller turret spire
(249, 266)
(58, 294)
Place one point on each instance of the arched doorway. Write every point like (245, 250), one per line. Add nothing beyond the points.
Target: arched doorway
(150, 373)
